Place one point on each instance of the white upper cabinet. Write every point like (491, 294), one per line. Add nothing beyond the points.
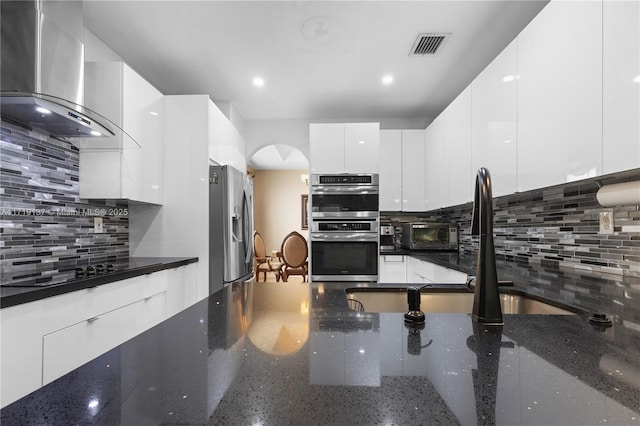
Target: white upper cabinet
(344, 148)
(447, 155)
(132, 167)
(560, 95)
(493, 121)
(436, 165)
(226, 145)
(390, 170)
(413, 171)
(326, 147)
(361, 147)
(621, 80)
(457, 140)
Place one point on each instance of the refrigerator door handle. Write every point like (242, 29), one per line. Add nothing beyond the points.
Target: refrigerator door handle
(248, 225)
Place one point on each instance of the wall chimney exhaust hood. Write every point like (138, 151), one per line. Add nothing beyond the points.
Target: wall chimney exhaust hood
(42, 70)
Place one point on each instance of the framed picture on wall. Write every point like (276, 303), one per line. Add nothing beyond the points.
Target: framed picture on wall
(305, 211)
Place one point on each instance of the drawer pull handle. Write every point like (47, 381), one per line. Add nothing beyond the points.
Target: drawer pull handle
(94, 319)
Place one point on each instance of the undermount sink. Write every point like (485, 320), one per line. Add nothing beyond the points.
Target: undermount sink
(435, 301)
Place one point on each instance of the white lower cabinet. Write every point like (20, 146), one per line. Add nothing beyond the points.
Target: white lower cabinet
(45, 339)
(448, 276)
(393, 269)
(66, 349)
(422, 272)
(21, 351)
(182, 289)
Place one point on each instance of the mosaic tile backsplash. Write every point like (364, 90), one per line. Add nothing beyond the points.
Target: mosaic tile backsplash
(46, 230)
(556, 227)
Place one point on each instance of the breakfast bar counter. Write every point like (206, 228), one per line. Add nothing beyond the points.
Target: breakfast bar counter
(294, 353)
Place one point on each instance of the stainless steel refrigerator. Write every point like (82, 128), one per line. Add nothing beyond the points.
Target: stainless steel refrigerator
(230, 227)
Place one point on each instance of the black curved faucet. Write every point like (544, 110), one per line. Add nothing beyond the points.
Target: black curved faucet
(486, 298)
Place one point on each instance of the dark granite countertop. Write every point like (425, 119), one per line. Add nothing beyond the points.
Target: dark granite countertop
(292, 354)
(617, 296)
(133, 267)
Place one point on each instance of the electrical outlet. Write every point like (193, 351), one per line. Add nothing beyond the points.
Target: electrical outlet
(98, 227)
(606, 222)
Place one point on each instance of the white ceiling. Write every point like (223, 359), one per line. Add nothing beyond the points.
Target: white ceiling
(319, 59)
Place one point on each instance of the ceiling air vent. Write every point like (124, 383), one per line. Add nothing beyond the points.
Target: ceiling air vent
(428, 43)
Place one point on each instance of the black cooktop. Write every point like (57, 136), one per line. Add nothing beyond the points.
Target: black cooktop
(66, 276)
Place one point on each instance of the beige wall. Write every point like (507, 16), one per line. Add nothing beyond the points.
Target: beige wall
(277, 204)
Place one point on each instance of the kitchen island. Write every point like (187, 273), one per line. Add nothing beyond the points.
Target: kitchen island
(294, 353)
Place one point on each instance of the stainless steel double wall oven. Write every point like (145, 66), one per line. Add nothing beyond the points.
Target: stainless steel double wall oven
(344, 229)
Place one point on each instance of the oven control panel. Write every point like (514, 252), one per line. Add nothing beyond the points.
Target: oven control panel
(345, 226)
(345, 179)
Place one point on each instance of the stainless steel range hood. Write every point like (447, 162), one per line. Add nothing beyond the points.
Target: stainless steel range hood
(42, 71)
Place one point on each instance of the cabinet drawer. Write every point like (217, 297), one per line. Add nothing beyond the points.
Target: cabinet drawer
(112, 296)
(66, 349)
(150, 312)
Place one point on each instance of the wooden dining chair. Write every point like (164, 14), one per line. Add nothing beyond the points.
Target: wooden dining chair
(294, 256)
(264, 263)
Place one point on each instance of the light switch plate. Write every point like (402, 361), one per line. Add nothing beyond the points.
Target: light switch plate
(98, 227)
(606, 222)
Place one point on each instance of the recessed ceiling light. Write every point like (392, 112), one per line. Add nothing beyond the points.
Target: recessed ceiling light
(637, 79)
(95, 133)
(508, 78)
(258, 81)
(43, 110)
(387, 79)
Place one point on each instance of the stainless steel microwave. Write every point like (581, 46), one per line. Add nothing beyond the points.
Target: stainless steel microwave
(344, 196)
(429, 236)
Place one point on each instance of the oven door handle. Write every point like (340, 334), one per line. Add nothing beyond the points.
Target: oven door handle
(321, 190)
(351, 237)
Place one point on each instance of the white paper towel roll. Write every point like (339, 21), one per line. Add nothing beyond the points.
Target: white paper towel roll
(619, 194)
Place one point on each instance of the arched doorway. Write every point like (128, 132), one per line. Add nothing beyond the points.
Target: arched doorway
(280, 185)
